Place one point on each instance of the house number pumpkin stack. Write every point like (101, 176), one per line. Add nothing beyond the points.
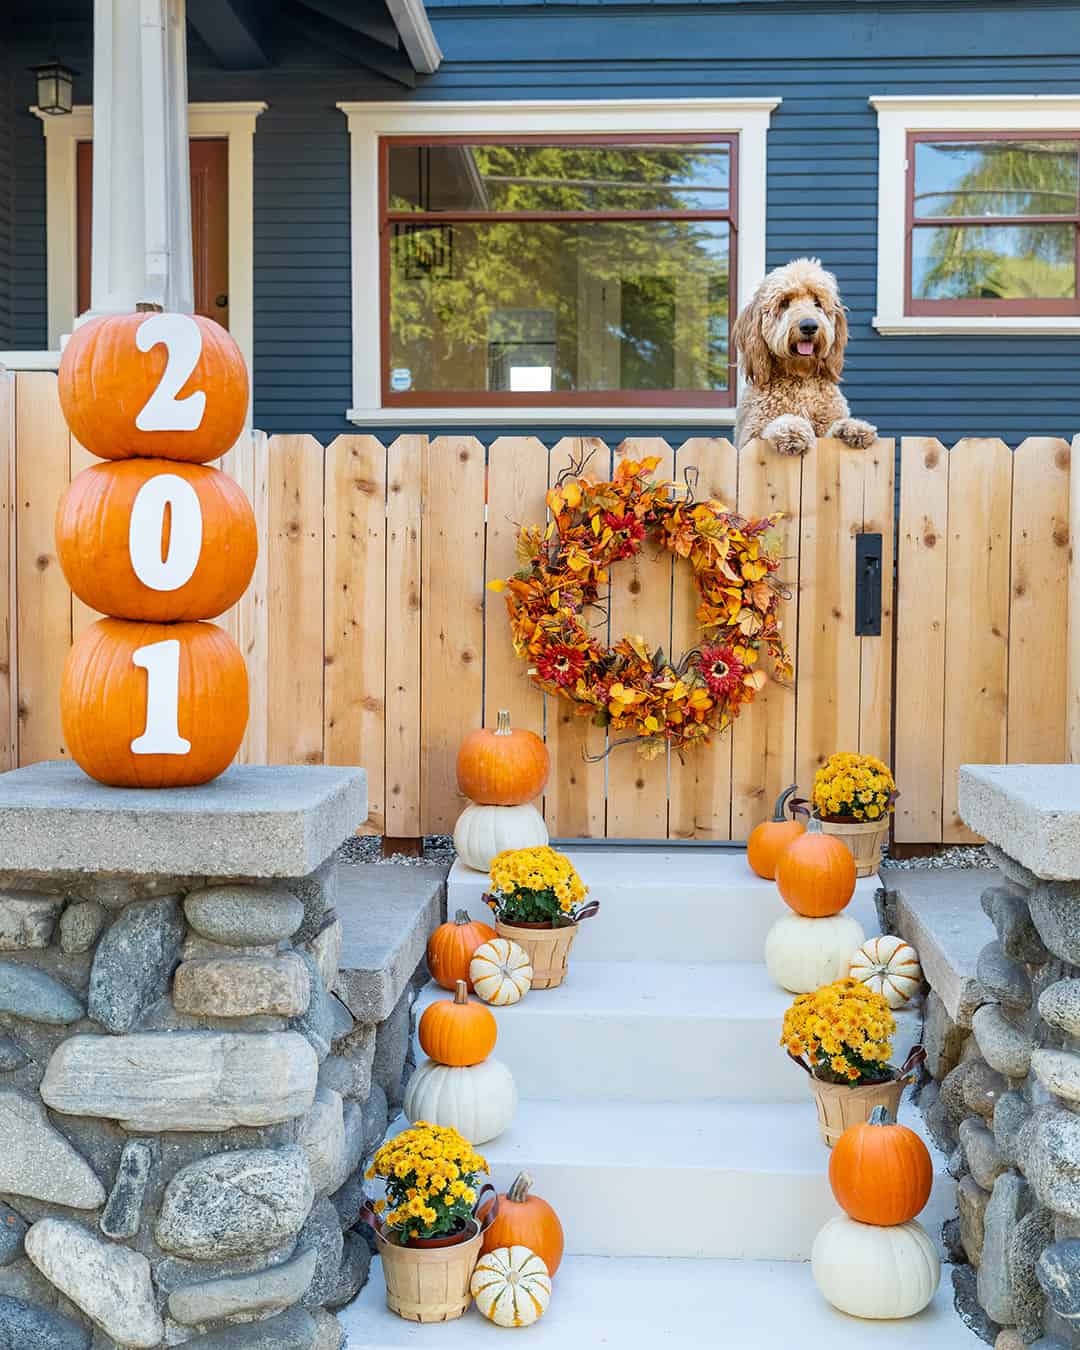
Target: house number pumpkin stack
(153, 695)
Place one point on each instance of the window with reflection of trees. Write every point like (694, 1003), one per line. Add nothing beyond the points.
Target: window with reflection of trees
(994, 223)
(557, 270)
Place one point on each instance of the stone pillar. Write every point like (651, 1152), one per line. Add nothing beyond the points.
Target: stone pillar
(141, 226)
(1020, 1152)
(182, 1097)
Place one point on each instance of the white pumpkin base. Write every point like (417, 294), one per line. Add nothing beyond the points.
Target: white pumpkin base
(478, 1101)
(876, 1273)
(803, 954)
(483, 832)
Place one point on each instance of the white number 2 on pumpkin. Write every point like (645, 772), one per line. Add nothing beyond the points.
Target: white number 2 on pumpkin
(182, 339)
(161, 661)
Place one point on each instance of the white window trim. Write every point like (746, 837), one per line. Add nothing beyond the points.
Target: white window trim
(234, 122)
(990, 112)
(749, 118)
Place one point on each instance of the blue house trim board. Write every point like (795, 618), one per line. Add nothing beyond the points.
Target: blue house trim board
(824, 61)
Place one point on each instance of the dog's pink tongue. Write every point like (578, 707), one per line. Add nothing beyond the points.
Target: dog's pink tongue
(806, 349)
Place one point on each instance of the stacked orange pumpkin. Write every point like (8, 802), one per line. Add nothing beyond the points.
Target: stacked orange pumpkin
(501, 772)
(874, 1260)
(812, 946)
(153, 695)
(459, 1084)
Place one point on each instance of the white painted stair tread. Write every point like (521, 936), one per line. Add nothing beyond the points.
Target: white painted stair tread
(651, 902)
(656, 1031)
(599, 1164)
(743, 1305)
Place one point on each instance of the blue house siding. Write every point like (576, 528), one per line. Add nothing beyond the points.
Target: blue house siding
(824, 61)
(7, 205)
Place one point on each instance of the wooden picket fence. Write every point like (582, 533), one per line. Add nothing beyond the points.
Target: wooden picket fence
(371, 638)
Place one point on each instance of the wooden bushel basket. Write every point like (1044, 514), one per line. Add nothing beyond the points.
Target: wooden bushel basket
(864, 839)
(839, 1106)
(548, 950)
(429, 1285)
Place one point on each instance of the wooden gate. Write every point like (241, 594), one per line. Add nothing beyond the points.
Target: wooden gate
(371, 638)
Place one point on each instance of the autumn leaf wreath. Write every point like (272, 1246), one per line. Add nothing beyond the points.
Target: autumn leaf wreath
(631, 687)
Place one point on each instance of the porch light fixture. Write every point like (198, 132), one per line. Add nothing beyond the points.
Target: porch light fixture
(54, 87)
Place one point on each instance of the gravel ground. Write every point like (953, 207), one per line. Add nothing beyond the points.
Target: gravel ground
(440, 848)
(961, 855)
(367, 848)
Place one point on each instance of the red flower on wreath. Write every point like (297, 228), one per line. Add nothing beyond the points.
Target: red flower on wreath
(562, 665)
(629, 525)
(721, 670)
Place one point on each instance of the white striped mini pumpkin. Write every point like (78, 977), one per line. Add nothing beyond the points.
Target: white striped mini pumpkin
(500, 972)
(890, 967)
(511, 1286)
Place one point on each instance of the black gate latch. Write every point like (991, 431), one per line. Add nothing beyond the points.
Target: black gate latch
(868, 585)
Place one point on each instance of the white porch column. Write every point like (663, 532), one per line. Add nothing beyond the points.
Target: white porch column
(142, 184)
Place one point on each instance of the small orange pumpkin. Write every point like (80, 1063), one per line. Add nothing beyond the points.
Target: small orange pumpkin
(503, 767)
(524, 1220)
(881, 1172)
(105, 701)
(456, 1031)
(816, 875)
(769, 839)
(450, 949)
(95, 532)
(107, 383)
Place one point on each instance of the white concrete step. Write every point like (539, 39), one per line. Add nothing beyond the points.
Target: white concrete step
(663, 905)
(732, 1180)
(678, 1305)
(656, 1031)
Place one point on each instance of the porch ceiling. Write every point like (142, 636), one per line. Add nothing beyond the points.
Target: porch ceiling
(392, 37)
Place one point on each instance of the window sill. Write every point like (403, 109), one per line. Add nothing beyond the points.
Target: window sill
(544, 416)
(30, 360)
(966, 325)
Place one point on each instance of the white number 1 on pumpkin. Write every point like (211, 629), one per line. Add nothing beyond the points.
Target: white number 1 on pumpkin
(182, 339)
(161, 661)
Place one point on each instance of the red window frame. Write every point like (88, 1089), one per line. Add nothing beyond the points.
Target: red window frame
(668, 398)
(984, 307)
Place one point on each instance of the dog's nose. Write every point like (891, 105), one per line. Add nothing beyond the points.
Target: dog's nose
(808, 327)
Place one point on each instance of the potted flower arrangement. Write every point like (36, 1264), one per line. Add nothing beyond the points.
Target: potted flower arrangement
(538, 900)
(841, 1036)
(429, 1228)
(853, 798)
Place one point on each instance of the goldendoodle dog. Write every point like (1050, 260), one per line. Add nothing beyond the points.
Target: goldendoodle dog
(790, 339)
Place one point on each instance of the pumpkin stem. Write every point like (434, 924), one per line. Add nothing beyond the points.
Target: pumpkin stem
(502, 723)
(519, 1191)
(461, 992)
(148, 307)
(462, 917)
(881, 1115)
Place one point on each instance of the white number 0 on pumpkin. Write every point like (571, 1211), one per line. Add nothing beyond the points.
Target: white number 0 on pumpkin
(146, 531)
(161, 661)
(182, 339)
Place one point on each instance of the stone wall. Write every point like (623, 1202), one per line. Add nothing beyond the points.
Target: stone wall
(184, 1108)
(1005, 1104)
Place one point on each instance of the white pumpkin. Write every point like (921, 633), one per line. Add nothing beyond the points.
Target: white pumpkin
(483, 832)
(803, 954)
(500, 972)
(890, 967)
(478, 1101)
(511, 1286)
(868, 1271)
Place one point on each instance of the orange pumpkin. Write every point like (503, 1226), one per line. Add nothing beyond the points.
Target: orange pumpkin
(450, 949)
(96, 540)
(503, 767)
(114, 395)
(524, 1220)
(769, 839)
(456, 1031)
(881, 1172)
(816, 875)
(116, 694)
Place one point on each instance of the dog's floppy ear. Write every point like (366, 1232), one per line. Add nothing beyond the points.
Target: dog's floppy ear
(750, 344)
(834, 362)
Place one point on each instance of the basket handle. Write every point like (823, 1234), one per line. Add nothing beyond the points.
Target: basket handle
(916, 1056)
(486, 1207)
